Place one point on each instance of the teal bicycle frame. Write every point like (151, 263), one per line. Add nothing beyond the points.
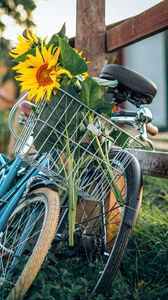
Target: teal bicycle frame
(10, 196)
(12, 186)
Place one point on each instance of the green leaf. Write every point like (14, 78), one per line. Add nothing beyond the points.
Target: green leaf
(60, 113)
(62, 32)
(104, 107)
(71, 60)
(90, 92)
(120, 139)
(55, 39)
(44, 132)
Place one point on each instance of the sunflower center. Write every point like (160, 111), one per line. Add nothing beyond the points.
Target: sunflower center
(43, 75)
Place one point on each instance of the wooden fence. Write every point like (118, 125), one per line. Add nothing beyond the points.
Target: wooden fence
(95, 40)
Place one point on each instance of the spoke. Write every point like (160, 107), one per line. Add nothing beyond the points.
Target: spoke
(16, 232)
(40, 215)
(7, 281)
(25, 219)
(97, 185)
(15, 245)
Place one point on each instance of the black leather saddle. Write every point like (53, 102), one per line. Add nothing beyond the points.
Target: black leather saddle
(141, 88)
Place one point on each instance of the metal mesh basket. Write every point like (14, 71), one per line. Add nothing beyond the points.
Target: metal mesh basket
(66, 139)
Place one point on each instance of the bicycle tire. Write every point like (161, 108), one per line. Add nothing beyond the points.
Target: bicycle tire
(117, 253)
(42, 232)
(117, 246)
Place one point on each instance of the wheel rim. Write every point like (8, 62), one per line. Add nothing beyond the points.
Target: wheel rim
(16, 250)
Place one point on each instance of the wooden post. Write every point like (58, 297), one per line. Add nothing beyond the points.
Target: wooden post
(90, 33)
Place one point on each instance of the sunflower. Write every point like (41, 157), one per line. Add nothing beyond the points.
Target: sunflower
(24, 44)
(41, 74)
(85, 74)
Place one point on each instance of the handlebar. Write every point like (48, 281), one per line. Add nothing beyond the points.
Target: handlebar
(126, 113)
(142, 118)
(151, 129)
(143, 115)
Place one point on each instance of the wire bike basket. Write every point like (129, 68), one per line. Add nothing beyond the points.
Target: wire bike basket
(66, 139)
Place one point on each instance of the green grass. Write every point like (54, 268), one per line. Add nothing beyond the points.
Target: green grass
(164, 140)
(144, 271)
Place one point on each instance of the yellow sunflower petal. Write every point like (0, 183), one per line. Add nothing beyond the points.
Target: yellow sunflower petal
(47, 53)
(52, 63)
(40, 74)
(64, 71)
(31, 37)
(48, 93)
(57, 53)
(23, 45)
(39, 56)
(34, 61)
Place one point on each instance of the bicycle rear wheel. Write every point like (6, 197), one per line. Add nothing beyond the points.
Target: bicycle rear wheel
(103, 226)
(26, 240)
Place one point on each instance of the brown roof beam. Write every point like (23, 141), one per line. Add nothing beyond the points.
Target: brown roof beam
(148, 23)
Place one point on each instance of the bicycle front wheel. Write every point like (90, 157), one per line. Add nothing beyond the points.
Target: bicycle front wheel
(26, 240)
(103, 225)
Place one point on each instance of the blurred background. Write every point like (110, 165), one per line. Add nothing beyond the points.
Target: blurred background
(143, 274)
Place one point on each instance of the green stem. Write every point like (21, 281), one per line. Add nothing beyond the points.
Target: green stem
(63, 165)
(109, 171)
(106, 164)
(72, 194)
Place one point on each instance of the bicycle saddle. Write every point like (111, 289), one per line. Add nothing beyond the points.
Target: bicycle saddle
(142, 89)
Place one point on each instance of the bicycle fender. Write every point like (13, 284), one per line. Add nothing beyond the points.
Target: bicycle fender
(39, 182)
(131, 215)
(132, 209)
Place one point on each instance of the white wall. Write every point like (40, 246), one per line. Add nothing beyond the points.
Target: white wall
(148, 57)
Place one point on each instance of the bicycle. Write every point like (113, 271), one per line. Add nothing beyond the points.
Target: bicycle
(107, 209)
(28, 218)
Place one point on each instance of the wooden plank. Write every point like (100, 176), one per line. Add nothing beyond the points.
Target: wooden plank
(152, 163)
(134, 29)
(90, 33)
